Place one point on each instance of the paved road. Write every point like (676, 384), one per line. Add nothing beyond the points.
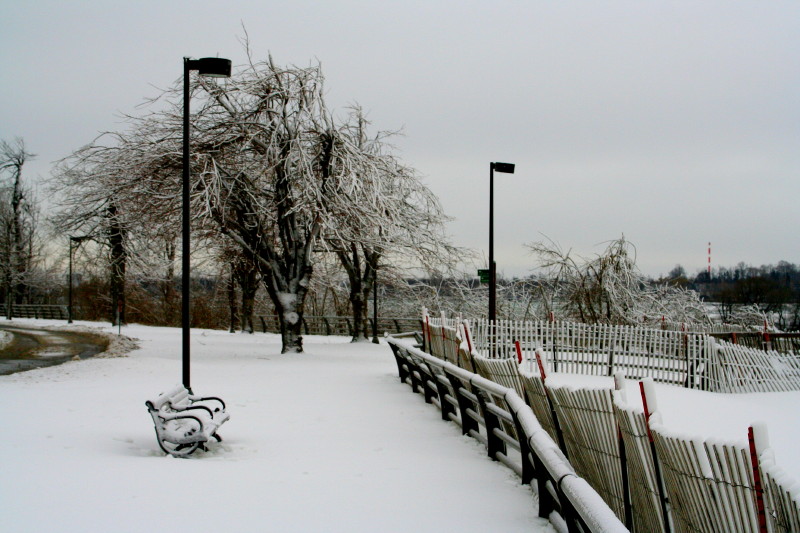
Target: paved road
(35, 348)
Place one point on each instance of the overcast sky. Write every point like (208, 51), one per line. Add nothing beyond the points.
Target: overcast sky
(673, 123)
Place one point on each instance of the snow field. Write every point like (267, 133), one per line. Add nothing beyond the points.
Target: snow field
(329, 440)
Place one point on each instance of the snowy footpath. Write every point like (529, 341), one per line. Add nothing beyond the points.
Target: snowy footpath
(325, 441)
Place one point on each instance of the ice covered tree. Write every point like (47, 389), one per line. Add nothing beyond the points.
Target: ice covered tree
(609, 288)
(402, 219)
(282, 176)
(18, 214)
(274, 171)
(116, 192)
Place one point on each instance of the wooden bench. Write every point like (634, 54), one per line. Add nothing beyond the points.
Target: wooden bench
(185, 422)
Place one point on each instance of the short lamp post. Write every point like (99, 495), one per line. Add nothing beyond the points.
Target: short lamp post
(214, 67)
(507, 168)
(74, 243)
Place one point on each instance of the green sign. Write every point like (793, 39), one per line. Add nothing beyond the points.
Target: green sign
(484, 274)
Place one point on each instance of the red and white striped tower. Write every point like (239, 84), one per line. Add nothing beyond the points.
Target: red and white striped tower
(709, 260)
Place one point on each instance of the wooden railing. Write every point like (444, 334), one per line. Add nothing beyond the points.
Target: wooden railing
(342, 325)
(54, 312)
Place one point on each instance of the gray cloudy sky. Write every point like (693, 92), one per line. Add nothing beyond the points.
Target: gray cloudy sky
(673, 123)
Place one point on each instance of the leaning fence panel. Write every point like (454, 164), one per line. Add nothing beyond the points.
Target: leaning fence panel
(587, 420)
(645, 494)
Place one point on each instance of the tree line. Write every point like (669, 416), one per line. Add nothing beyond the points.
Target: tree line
(772, 288)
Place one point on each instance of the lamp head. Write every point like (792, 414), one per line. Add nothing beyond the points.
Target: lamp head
(212, 67)
(507, 168)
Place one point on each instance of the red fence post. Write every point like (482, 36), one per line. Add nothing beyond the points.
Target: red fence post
(757, 488)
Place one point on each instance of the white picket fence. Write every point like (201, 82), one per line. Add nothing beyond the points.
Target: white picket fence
(739, 368)
(693, 360)
(652, 479)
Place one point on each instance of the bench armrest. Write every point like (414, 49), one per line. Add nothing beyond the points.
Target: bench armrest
(197, 408)
(194, 398)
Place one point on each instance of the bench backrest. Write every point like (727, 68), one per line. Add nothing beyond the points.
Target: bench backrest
(177, 398)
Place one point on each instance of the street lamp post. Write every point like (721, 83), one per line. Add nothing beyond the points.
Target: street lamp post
(77, 242)
(214, 67)
(375, 308)
(507, 168)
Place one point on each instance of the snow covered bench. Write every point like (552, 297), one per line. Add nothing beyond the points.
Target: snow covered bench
(185, 422)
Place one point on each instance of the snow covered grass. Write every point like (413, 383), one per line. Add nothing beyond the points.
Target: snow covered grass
(329, 440)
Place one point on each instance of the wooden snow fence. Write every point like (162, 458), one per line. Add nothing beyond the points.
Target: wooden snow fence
(645, 493)
(785, 343)
(586, 418)
(444, 339)
(709, 484)
(740, 368)
(504, 372)
(601, 350)
(781, 495)
(705, 485)
(538, 399)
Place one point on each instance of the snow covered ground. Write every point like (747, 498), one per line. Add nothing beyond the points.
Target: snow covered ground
(329, 440)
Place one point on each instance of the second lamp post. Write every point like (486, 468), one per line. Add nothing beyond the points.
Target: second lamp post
(507, 168)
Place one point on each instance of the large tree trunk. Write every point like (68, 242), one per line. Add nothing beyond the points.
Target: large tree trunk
(17, 246)
(289, 306)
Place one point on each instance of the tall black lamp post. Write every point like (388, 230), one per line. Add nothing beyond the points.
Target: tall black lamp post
(507, 168)
(214, 67)
(74, 242)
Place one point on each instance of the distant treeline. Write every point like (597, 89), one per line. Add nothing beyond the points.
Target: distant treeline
(773, 288)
